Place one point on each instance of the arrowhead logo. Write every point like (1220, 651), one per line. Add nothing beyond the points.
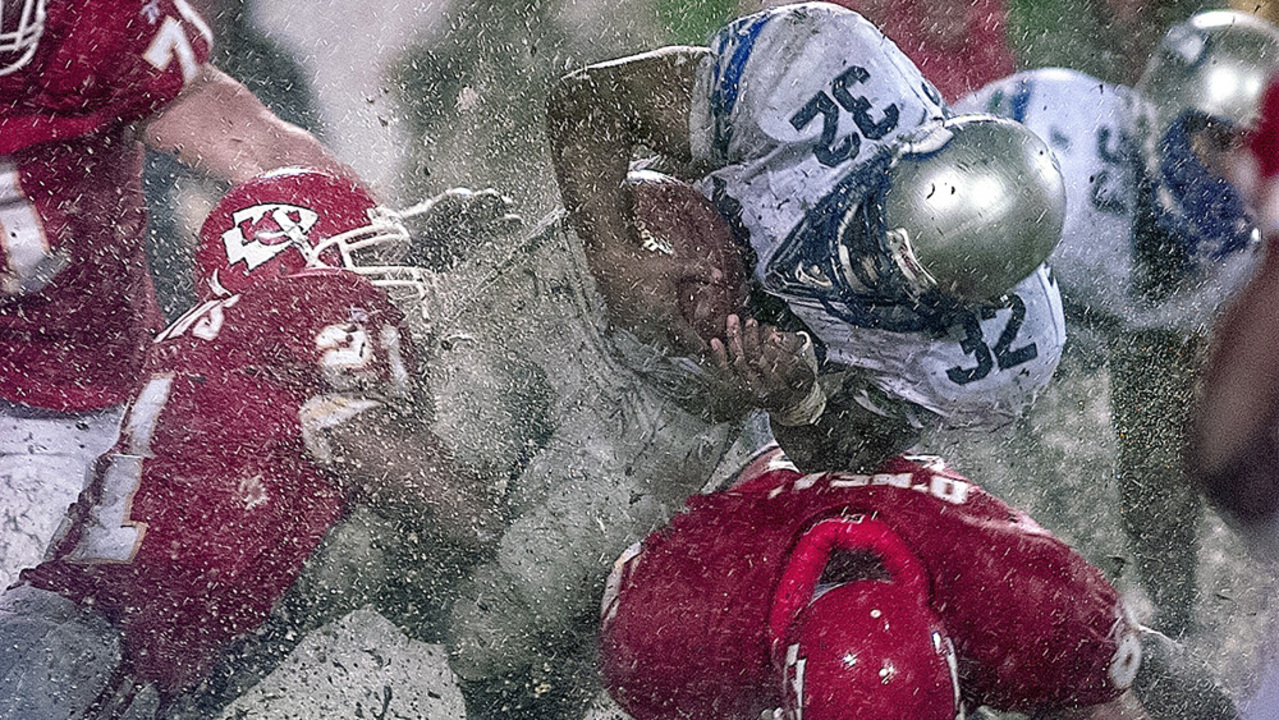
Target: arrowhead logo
(261, 232)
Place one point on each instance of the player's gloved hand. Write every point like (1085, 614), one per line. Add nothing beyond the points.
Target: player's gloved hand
(777, 369)
(447, 227)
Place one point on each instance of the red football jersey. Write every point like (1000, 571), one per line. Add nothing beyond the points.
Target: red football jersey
(686, 632)
(202, 515)
(77, 308)
(959, 47)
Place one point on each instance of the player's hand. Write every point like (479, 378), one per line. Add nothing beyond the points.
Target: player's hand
(446, 227)
(777, 369)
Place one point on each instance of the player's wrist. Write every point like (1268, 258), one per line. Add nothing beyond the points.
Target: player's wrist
(808, 409)
(805, 412)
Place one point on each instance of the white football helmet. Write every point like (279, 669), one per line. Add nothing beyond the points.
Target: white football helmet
(955, 212)
(1216, 64)
(21, 25)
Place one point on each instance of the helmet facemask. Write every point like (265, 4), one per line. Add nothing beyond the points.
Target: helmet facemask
(950, 218)
(1202, 91)
(288, 220)
(377, 251)
(21, 25)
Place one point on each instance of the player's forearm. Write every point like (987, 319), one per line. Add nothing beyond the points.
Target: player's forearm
(393, 462)
(598, 117)
(219, 128)
(1233, 440)
(592, 142)
(463, 511)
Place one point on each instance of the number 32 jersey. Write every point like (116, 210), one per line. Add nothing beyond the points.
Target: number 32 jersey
(791, 102)
(200, 518)
(77, 309)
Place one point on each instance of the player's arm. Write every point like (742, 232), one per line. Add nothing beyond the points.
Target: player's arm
(1233, 442)
(846, 435)
(598, 119)
(1234, 452)
(218, 127)
(391, 460)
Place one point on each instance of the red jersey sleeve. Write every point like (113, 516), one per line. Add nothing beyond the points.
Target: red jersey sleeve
(102, 64)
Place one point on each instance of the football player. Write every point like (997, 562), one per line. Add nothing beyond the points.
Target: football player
(1155, 239)
(265, 411)
(905, 244)
(86, 84)
(1232, 451)
(904, 593)
(887, 348)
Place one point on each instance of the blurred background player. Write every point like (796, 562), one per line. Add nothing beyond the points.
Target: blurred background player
(88, 84)
(906, 593)
(284, 396)
(1156, 238)
(680, 368)
(959, 46)
(1233, 442)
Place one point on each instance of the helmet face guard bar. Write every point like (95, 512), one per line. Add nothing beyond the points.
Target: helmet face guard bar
(841, 257)
(372, 251)
(21, 35)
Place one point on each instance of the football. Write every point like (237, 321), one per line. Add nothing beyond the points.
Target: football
(674, 220)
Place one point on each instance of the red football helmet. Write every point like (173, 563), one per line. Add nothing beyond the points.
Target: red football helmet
(860, 648)
(21, 25)
(288, 220)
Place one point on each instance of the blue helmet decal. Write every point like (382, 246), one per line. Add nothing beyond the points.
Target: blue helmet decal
(838, 257)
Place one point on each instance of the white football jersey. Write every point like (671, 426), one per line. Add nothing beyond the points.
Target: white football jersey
(1092, 128)
(790, 105)
(790, 101)
(984, 373)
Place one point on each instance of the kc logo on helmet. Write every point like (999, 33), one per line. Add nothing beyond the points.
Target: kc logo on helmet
(261, 232)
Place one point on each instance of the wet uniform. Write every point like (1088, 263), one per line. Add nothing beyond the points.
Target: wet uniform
(792, 106)
(686, 617)
(77, 308)
(631, 435)
(201, 517)
(1093, 129)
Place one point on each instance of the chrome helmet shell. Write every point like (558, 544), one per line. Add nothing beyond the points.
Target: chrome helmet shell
(953, 215)
(1216, 64)
(973, 206)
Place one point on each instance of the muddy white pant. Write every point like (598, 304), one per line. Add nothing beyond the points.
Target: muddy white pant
(45, 458)
(58, 660)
